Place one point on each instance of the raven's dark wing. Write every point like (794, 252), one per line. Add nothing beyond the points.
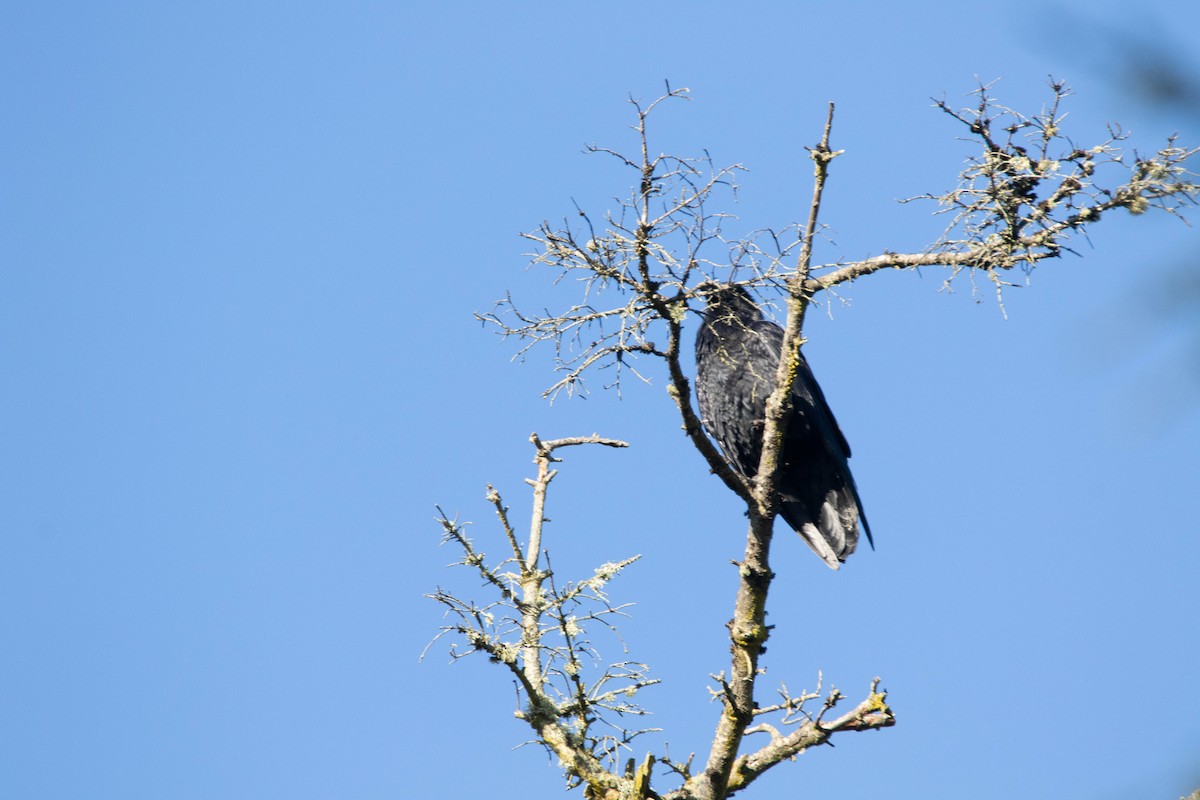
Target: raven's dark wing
(736, 360)
(818, 496)
(735, 374)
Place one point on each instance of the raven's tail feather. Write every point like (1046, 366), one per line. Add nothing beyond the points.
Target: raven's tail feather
(816, 540)
(834, 534)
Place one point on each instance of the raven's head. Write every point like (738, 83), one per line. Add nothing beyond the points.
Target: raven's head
(728, 301)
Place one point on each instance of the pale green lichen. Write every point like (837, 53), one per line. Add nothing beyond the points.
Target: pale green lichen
(1138, 205)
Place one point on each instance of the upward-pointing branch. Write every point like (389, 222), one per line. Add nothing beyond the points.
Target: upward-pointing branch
(748, 630)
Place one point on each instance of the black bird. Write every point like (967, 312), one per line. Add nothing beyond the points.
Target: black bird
(737, 354)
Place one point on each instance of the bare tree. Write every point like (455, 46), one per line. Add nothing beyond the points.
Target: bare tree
(1020, 200)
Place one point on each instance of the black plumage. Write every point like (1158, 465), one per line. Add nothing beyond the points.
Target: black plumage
(737, 355)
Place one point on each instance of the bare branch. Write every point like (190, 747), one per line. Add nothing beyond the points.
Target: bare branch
(872, 713)
(539, 630)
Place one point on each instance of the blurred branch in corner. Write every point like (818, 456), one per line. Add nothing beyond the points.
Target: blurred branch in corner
(1156, 65)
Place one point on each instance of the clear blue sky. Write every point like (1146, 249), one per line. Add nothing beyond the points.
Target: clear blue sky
(240, 246)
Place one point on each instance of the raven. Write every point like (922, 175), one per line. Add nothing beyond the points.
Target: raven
(737, 354)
